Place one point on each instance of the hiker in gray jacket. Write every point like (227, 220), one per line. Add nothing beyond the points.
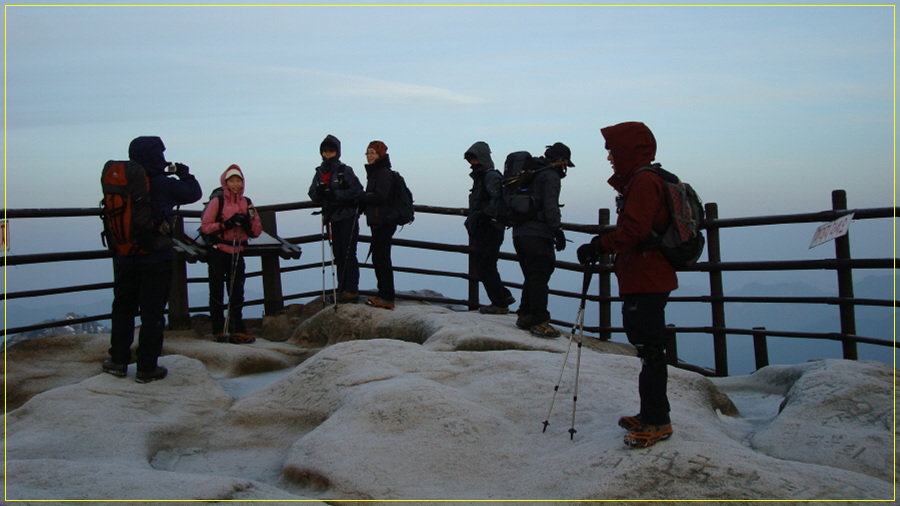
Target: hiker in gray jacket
(535, 239)
(485, 232)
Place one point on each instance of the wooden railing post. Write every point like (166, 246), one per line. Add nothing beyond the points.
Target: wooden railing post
(273, 298)
(605, 306)
(760, 347)
(179, 315)
(845, 281)
(714, 251)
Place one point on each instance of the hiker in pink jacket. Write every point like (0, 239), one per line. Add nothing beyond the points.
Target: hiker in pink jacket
(229, 220)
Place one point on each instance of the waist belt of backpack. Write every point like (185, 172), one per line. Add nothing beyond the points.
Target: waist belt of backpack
(217, 240)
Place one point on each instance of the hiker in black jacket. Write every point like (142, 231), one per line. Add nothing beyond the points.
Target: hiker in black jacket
(337, 188)
(485, 232)
(378, 198)
(535, 239)
(141, 282)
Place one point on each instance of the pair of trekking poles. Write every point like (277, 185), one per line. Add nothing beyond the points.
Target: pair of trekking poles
(577, 326)
(328, 233)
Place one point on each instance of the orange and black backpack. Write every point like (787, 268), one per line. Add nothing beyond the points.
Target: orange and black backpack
(128, 227)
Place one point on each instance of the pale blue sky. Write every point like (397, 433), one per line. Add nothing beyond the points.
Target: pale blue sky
(764, 110)
(747, 103)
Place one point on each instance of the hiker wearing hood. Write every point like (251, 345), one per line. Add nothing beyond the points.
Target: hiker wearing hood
(231, 220)
(534, 241)
(378, 197)
(337, 189)
(645, 277)
(485, 232)
(141, 282)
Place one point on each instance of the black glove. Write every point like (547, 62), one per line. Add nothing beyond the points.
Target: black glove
(559, 238)
(323, 191)
(238, 220)
(182, 170)
(590, 253)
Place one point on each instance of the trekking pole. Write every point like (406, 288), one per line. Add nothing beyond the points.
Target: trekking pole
(323, 262)
(579, 323)
(588, 272)
(234, 263)
(333, 277)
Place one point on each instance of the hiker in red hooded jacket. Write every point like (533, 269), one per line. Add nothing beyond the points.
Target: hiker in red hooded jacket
(645, 277)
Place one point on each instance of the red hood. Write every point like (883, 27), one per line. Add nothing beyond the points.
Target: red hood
(632, 146)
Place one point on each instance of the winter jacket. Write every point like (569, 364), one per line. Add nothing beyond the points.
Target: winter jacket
(379, 194)
(232, 203)
(484, 197)
(165, 192)
(642, 208)
(546, 187)
(343, 201)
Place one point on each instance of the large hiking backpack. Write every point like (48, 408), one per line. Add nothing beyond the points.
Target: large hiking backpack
(217, 194)
(128, 227)
(682, 241)
(402, 212)
(517, 203)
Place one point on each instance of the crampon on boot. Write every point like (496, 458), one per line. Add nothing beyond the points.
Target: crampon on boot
(646, 435)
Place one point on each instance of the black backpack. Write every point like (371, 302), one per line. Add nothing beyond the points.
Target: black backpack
(128, 227)
(682, 241)
(402, 212)
(517, 203)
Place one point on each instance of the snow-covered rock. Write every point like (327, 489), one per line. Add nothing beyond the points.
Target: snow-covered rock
(426, 403)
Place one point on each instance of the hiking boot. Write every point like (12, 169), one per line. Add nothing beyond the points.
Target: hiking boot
(147, 376)
(348, 298)
(544, 330)
(492, 309)
(524, 321)
(645, 435)
(379, 302)
(510, 300)
(110, 367)
(220, 338)
(630, 422)
(241, 338)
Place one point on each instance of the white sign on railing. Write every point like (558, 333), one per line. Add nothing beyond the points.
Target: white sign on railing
(833, 230)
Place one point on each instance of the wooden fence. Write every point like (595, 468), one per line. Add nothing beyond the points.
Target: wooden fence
(279, 248)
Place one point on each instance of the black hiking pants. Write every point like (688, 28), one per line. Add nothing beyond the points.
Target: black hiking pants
(344, 237)
(220, 264)
(139, 289)
(537, 258)
(644, 319)
(486, 240)
(381, 260)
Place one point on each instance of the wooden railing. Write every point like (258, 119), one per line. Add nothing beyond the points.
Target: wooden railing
(289, 248)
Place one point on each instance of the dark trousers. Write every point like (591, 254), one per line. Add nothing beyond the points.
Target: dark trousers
(344, 237)
(220, 266)
(139, 289)
(381, 260)
(644, 319)
(486, 240)
(537, 259)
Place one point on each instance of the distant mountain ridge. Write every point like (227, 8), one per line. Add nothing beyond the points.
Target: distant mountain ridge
(73, 329)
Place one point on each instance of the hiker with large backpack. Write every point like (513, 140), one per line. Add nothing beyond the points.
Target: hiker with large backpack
(138, 210)
(538, 236)
(644, 275)
(485, 232)
(337, 189)
(228, 221)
